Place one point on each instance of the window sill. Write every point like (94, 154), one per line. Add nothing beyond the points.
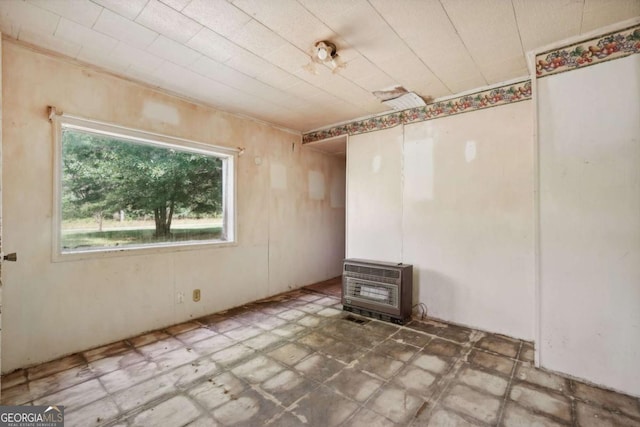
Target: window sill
(90, 254)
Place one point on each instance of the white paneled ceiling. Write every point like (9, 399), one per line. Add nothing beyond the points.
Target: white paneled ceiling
(247, 56)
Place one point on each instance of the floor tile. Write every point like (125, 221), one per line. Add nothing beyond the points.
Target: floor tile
(484, 381)
(483, 407)
(529, 374)
(416, 380)
(113, 363)
(310, 321)
(148, 338)
(247, 409)
(367, 418)
(217, 390)
(263, 341)
(625, 404)
(355, 384)
(182, 328)
(14, 378)
(396, 350)
(288, 386)
(232, 355)
(443, 348)
(549, 403)
(212, 345)
(76, 396)
(243, 333)
(129, 376)
(160, 347)
(497, 344)
(343, 351)
(95, 414)
(55, 366)
(299, 359)
(289, 330)
(517, 416)
(290, 354)
(527, 352)
(59, 381)
(443, 417)
(395, 404)
(451, 332)
(175, 412)
(324, 408)
(319, 367)
(107, 351)
(140, 394)
(257, 369)
(195, 335)
(592, 416)
(431, 363)
(380, 365)
(196, 371)
(316, 340)
(16, 395)
(411, 337)
(499, 364)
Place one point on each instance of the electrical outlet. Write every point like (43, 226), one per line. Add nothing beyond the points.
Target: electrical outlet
(196, 295)
(180, 297)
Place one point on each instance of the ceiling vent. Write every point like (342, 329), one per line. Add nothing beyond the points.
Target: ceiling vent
(399, 98)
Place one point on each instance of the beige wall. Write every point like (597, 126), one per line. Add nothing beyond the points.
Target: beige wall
(457, 203)
(288, 236)
(589, 145)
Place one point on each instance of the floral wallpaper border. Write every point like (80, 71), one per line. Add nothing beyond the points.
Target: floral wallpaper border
(610, 46)
(480, 100)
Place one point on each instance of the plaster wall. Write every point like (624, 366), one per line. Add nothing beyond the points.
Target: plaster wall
(374, 195)
(468, 217)
(589, 148)
(454, 197)
(290, 228)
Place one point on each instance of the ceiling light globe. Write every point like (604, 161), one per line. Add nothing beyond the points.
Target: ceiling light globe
(322, 53)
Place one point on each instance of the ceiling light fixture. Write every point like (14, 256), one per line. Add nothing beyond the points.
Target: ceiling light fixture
(324, 52)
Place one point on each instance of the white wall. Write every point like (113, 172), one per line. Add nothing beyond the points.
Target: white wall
(454, 197)
(374, 194)
(468, 217)
(290, 229)
(589, 148)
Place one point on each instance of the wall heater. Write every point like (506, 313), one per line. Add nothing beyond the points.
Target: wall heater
(381, 290)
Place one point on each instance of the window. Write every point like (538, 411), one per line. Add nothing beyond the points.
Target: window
(120, 189)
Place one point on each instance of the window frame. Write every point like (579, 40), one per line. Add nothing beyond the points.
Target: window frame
(229, 193)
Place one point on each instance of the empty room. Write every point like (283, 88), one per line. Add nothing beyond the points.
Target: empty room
(320, 213)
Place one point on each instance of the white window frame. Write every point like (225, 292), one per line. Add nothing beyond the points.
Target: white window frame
(230, 160)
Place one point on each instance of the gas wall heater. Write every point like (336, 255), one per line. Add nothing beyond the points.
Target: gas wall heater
(381, 290)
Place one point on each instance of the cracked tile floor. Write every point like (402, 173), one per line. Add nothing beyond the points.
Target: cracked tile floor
(298, 359)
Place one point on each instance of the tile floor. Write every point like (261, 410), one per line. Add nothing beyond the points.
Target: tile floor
(298, 359)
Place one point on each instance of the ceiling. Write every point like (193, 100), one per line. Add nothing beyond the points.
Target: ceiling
(247, 56)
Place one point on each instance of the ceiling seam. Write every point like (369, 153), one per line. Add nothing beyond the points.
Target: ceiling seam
(352, 47)
(204, 55)
(515, 17)
(410, 48)
(463, 43)
(296, 47)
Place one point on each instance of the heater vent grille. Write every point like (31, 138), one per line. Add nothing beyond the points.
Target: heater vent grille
(372, 292)
(372, 273)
